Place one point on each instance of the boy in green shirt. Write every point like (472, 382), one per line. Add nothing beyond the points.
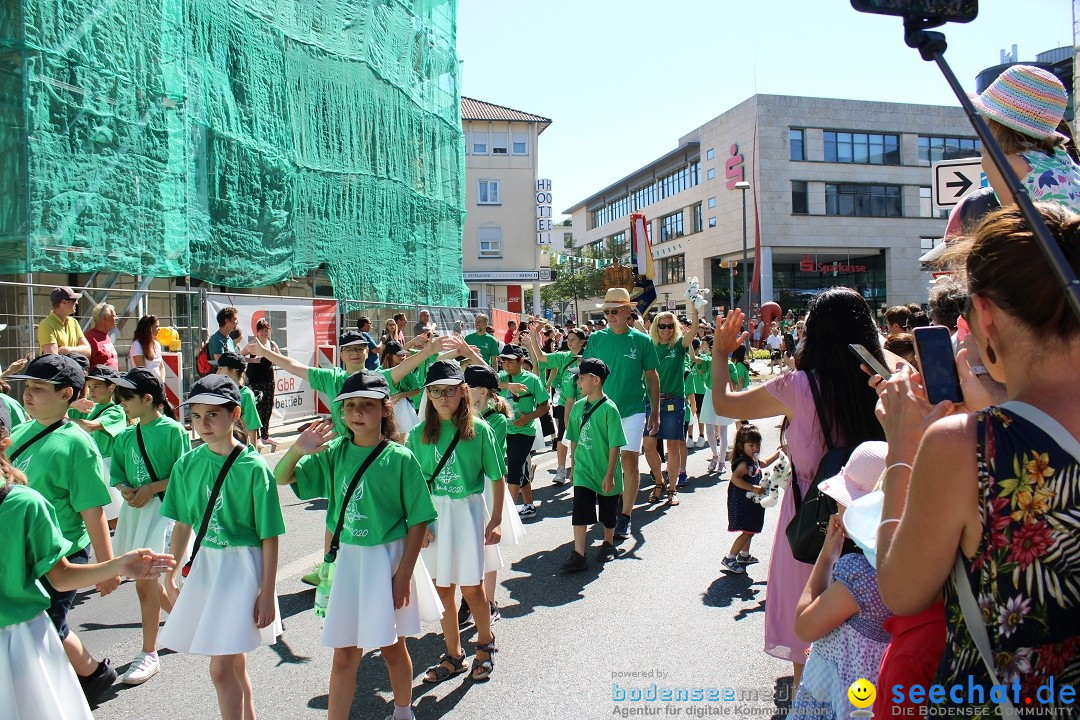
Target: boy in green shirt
(596, 438)
(233, 365)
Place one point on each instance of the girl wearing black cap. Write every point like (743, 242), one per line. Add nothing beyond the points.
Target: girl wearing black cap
(455, 556)
(98, 415)
(142, 397)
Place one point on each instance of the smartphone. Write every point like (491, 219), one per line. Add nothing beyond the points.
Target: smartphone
(870, 361)
(789, 344)
(933, 347)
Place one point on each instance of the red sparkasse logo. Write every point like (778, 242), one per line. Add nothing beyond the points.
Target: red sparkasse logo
(807, 265)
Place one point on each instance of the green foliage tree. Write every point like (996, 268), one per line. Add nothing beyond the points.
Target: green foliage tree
(582, 276)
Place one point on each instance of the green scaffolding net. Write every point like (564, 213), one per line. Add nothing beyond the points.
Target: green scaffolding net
(241, 142)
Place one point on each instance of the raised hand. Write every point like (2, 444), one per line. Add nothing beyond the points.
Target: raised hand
(729, 334)
(315, 439)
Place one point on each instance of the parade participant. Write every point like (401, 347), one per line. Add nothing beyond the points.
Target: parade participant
(233, 366)
(260, 378)
(379, 508)
(459, 456)
(700, 373)
(671, 346)
(558, 363)
(631, 358)
(483, 341)
(716, 426)
(145, 349)
(60, 332)
(745, 516)
(102, 350)
(38, 677)
(63, 464)
(228, 605)
(98, 415)
(595, 433)
(142, 460)
(529, 400)
(228, 319)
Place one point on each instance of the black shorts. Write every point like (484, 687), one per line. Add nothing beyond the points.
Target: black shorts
(547, 425)
(585, 502)
(560, 421)
(62, 601)
(699, 401)
(518, 449)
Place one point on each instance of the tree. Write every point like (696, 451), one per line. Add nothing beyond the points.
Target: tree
(582, 276)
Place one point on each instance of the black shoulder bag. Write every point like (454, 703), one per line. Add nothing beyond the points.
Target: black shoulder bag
(24, 447)
(445, 459)
(335, 541)
(5, 490)
(589, 411)
(146, 460)
(488, 413)
(210, 506)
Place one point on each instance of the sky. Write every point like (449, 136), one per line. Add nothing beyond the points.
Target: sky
(622, 81)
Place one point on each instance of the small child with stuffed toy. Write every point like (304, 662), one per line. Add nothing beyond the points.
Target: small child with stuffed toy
(745, 516)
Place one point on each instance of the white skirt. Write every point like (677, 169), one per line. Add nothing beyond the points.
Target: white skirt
(143, 527)
(215, 613)
(456, 555)
(36, 678)
(361, 610)
(112, 510)
(707, 414)
(513, 531)
(405, 414)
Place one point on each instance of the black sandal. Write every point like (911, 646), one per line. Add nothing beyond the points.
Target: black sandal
(656, 495)
(442, 672)
(481, 669)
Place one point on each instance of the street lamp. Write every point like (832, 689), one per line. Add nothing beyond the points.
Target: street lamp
(744, 186)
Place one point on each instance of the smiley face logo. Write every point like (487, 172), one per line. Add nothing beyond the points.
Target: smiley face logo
(862, 693)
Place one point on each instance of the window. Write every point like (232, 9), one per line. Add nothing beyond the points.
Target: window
(478, 143)
(490, 241)
(474, 298)
(862, 148)
(934, 149)
(673, 270)
(568, 240)
(795, 140)
(521, 143)
(710, 154)
(670, 226)
(712, 202)
(853, 200)
(926, 244)
(926, 203)
(711, 174)
(712, 222)
(498, 143)
(800, 203)
(487, 192)
(671, 184)
(697, 218)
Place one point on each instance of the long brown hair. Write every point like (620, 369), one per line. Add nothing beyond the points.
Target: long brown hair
(1014, 142)
(463, 419)
(8, 472)
(497, 403)
(142, 334)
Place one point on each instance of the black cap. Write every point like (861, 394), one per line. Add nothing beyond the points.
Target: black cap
(481, 376)
(57, 369)
(142, 381)
(59, 294)
(444, 372)
(392, 347)
(512, 352)
(592, 366)
(232, 360)
(351, 337)
(214, 390)
(82, 361)
(104, 373)
(364, 384)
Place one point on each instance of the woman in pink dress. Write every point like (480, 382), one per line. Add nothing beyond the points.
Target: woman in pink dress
(838, 316)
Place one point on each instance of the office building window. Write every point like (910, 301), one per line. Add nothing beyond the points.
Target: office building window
(673, 270)
(478, 143)
(862, 148)
(712, 202)
(671, 184)
(474, 298)
(670, 226)
(855, 200)
(498, 143)
(711, 174)
(795, 139)
(490, 241)
(568, 240)
(712, 222)
(926, 203)
(926, 244)
(933, 149)
(487, 192)
(710, 154)
(800, 204)
(697, 218)
(521, 143)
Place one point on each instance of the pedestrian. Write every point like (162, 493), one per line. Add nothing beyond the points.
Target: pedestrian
(223, 340)
(59, 332)
(260, 378)
(402, 322)
(745, 516)
(142, 460)
(717, 426)
(36, 674)
(379, 508)
(363, 326)
(700, 369)
(102, 350)
(482, 341)
(775, 344)
(558, 363)
(145, 350)
(228, 605)
(62, 463)
(529, 400)
(390, 333)
(98, 415)
(233, 365)
(423, 323)
(595, 432)
(510, 338)
(459, 456)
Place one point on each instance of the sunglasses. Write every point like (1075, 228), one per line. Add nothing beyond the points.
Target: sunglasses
(613, 311)
(449, 392)
(666, 326)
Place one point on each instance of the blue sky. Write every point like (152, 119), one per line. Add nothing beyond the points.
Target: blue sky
(622, 81)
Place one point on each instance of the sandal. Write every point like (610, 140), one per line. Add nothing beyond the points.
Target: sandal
(656, 495)
(481, 669)
(442, 672)
(672, 498)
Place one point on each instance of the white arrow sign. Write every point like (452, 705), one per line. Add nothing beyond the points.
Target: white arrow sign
(953, 179)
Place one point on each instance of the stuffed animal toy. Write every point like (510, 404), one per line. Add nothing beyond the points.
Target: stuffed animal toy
(696, 295)
(777, 477)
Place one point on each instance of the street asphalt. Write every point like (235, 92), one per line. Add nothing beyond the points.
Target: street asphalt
(663, 616)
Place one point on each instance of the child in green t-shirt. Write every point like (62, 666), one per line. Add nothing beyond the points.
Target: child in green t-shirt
(596, 435)
(98, 415)
(233, 365)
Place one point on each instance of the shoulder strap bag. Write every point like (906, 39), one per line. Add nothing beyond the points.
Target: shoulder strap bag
(444, 459)
(146, 460)
(210, 506)
(23, 448)
(335, 541)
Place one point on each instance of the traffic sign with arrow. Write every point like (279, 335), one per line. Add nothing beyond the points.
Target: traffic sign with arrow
(953, 179)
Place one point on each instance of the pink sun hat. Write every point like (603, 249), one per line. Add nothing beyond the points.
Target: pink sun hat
(1027, 99)
(859, 475)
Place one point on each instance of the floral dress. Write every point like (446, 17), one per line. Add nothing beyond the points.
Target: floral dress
(1026, 573)
(1053, 178)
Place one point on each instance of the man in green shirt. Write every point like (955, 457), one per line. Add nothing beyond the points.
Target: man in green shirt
(631, 357)
(483, 340)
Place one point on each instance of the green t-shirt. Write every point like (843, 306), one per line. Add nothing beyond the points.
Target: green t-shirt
(329, 382)
(472, 461)
(65, 467)
(18, 414)
(247, 510)
(672, 359)
(741, 378)
(535, 394)
(628, 356)
(688, 389)
(409, 382)
(602, 432)
(249, 413)
(391, 497)
(421, 375)
(489, 346)
(498, 422)
(165, 440)
(113, 420)
(32, 545)
(559, 361)
(701, 374)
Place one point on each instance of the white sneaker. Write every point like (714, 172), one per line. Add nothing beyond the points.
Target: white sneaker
(560, 476)
(701, 442)
(145, 667)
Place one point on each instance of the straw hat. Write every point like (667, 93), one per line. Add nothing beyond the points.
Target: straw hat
(615, 298)
(1027, 99)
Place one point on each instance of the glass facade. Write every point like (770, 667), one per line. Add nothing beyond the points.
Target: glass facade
(858, 200)
(934, 149)
(797, 280)
(665, 186)
(862, 148)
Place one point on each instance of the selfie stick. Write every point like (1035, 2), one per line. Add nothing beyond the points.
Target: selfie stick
(931, 45)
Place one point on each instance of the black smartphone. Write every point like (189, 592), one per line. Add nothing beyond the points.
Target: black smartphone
(789, 344)
(869, 360)
(933, 346)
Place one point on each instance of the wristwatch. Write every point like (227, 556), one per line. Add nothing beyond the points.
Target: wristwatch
(979, 370)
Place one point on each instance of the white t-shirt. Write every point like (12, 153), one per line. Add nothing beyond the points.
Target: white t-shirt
(773, 341)
(137, 351)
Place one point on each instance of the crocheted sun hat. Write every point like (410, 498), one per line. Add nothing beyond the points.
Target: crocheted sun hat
(1027, 99)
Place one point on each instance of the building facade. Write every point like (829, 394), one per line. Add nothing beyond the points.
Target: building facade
(502, 258)
(838, 193)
